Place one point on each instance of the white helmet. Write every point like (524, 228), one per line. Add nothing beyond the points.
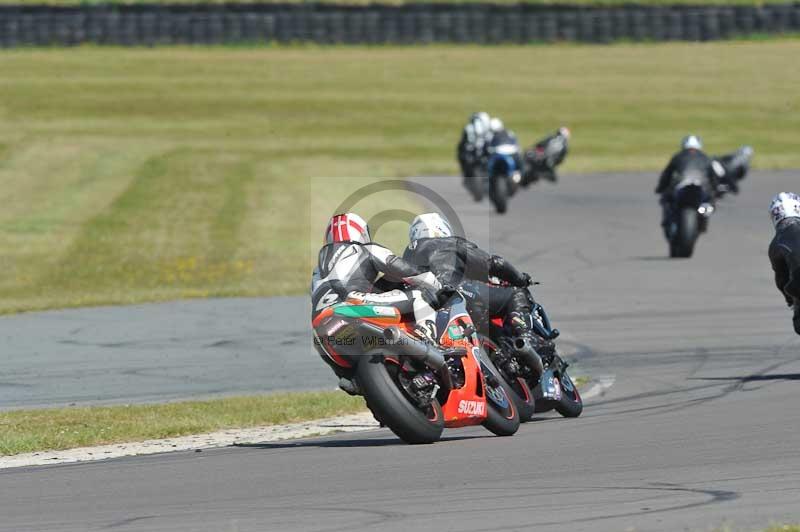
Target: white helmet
(483, 118)
(429, 225)
(495, 124)
(347, 227)
(784, 205)
(691, 142)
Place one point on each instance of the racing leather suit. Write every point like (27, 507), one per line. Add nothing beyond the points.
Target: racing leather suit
(784, 255)
(370, 274)
(459, 262)
(684, 163)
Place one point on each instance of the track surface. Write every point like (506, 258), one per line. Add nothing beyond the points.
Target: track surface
(700, 428)
(158, 352)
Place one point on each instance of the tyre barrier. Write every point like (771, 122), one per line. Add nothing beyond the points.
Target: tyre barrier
(150, 25)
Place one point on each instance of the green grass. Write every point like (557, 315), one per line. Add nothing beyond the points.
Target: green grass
(64, 428)
(133, 175)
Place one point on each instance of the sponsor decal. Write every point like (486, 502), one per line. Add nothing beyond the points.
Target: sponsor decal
(384, 311)
(455, 332)
(472, 408)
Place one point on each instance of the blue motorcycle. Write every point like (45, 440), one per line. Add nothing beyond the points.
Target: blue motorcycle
(504, 171)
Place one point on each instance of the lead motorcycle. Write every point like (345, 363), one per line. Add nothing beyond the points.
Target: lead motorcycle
(413, 387)
(542, 158)
(540, 383)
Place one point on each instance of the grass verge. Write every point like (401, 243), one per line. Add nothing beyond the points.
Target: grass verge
(52, 429)
(135, 175)
(23, 431)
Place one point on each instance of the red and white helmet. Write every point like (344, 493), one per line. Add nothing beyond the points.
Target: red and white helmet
(347, 227)
(784, 205)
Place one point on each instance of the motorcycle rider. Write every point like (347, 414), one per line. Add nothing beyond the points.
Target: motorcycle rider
(458, 262)
(504, 141)
(548, 153)
(351, 267)
(471, 147)
(690, 159)
(784, 250)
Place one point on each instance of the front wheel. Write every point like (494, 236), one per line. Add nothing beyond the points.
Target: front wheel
(570, 404)
(385, 397)
(502, 417)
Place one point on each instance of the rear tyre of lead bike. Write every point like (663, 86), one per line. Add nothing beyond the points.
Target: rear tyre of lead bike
(498, 192)
(502, 417)
(391, 405)
(571, 404)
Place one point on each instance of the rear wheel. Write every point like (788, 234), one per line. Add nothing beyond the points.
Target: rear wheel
(682, 244)
(474, 185)
(385, 397)
(502, 417)
(570, 404)
(498, 192)
(521, 393)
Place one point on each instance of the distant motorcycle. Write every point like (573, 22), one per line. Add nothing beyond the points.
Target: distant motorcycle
(504, 174)
(539, 383)
(732, 168)
(691, 203)
(689, 207)
(542, 158)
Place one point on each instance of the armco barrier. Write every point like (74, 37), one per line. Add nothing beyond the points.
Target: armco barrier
(148, 25)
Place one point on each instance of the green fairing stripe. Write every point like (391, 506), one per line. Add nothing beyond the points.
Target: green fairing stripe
(360, 311)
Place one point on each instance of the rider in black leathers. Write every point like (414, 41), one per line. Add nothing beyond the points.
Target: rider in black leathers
(458, 262)
(784, 250)
(690, 159)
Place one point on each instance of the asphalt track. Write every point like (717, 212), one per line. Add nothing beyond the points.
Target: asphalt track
(699, 430)
(158, 352)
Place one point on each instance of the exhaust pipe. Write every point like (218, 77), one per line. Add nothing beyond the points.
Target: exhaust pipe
(526, 350)
(418, 350)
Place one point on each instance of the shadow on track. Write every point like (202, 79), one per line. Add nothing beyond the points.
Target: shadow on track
(347, 443)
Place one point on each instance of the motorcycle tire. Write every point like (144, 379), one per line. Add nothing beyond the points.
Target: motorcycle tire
(683, 242)
(570, 404)
(390, 404)
(523, 399)
(521, 392)
(502, 416)
(474, 185)
(498, 193)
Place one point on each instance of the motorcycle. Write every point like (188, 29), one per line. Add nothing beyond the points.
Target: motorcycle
(688, 209)
(542, 158)
(413, 387)
(540, 381)
(732, 168)
(504, 174)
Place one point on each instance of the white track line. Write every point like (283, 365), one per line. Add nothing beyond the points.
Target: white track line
(352, 423)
